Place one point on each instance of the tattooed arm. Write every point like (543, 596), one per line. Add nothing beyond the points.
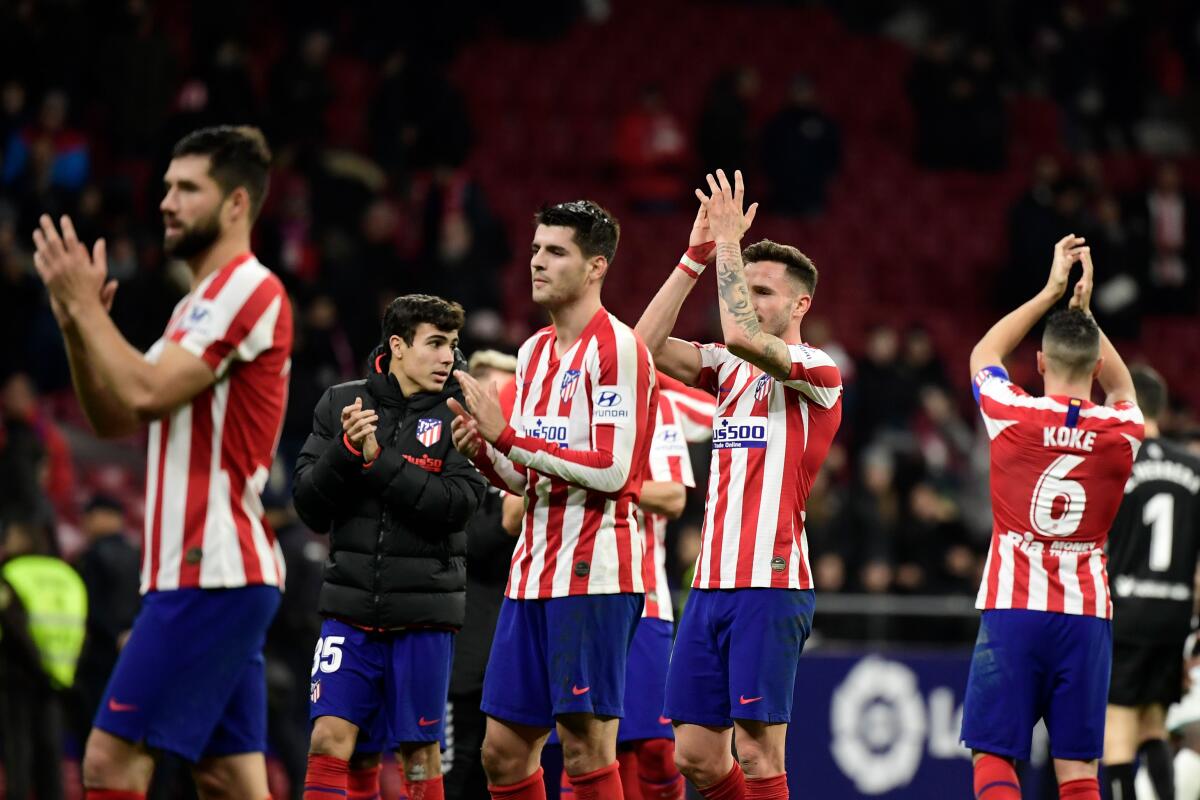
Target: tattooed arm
(744, 336)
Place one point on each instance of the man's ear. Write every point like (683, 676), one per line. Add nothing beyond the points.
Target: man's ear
(1096, 369)
(1041, 362)
(397, 345)
(598, 266)
(237, 205)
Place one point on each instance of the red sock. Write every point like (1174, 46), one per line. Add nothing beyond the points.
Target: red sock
(731, 787)
(600, 784)
(363, 784)
(327, 778)
(658, 777)
(565, 789)
(1082, 789)
(773, 788)
(627, 768)
(431, 789)
(531, 788)
(995, 779)
(111, 794)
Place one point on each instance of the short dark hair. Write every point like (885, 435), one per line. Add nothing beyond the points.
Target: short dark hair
(408, 311)
(1071, 341)
(799, 266)
(238, 156)
(1151, 390)
(596, 230)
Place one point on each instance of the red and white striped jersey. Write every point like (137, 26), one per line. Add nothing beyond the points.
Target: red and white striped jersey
(207, 462)
(670, 463)
(770, 438)
(1059, 466)
(577, 448)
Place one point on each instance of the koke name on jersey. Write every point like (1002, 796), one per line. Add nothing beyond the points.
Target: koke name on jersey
(1075, 438)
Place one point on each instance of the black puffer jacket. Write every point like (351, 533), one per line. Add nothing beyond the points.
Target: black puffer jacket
(398, 546)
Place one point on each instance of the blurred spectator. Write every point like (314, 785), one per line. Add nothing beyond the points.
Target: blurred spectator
(1167, 223)
(21, 298)
(231, 97)
(12, 109)
(650, 150)
(882, 397)
(35, 463)
(43, 617)
(110, 566)
(47, 162)
(1039, 219)
(136, 75)
(933, 554)
(818, 333)
(462, 248)
(802, 148)
(920, 362)
(723, 137)
(1118, 297)
(961, 121)
(301, 91)
(869, 521)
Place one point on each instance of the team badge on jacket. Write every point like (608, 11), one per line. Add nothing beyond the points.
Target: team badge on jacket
(429, 431)
(570, 383)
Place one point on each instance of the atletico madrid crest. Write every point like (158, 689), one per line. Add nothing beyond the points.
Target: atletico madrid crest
(314, 693)
(763, 387)
(570, 383)
(429, 431)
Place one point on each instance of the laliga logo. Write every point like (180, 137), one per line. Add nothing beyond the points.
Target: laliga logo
(880, 725)
(608, 399)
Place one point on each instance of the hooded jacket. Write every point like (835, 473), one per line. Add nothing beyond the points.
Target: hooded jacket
(398, 542)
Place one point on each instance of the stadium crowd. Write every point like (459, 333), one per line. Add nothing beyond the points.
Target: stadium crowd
(375, 192)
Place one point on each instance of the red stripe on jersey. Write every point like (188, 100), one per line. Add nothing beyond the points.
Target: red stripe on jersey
(1020, 593)
(751, 500)
(724, 465)
(249, 314)
(1055, 592)
(624, 545)
(199, 470)
(1083, 573)
(245, 537)
(593, 514)
(223, 275)
(993, 573)
(546, 339)
(649, 564)
(789, 529)
(154, 546)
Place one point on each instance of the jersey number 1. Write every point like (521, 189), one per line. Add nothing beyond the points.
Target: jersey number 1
(1057, 506)
(1159, 514)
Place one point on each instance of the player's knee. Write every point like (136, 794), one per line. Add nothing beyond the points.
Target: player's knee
(109, 763)
(422, 763)
(212, 782)
(696, 765)
(759, 761)
(501, 763)
(332, 736)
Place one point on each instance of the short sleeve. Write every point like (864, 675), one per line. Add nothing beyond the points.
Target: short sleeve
(815, 375)
(238, 324)
(711, 358)
(985, 375)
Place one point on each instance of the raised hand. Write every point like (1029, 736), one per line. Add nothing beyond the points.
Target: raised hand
(464, 431)
(73, 277)
(1069, 249)
(1081, 298)
(723, 207)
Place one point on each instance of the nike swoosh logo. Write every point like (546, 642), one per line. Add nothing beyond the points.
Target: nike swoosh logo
(575, 690)
(664, 721)
(748, 700)
(113, 705)
(425, 723)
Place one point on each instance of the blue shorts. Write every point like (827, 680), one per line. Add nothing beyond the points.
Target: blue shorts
(646, 683)
(190, 679)
(736, 653)
(1031, 665)
(565, 655)
(392, 685)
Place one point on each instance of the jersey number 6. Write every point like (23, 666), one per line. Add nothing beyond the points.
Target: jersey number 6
(1057, 507)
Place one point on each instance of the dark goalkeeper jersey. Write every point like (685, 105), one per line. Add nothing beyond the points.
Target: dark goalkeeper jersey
(1153, 546)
